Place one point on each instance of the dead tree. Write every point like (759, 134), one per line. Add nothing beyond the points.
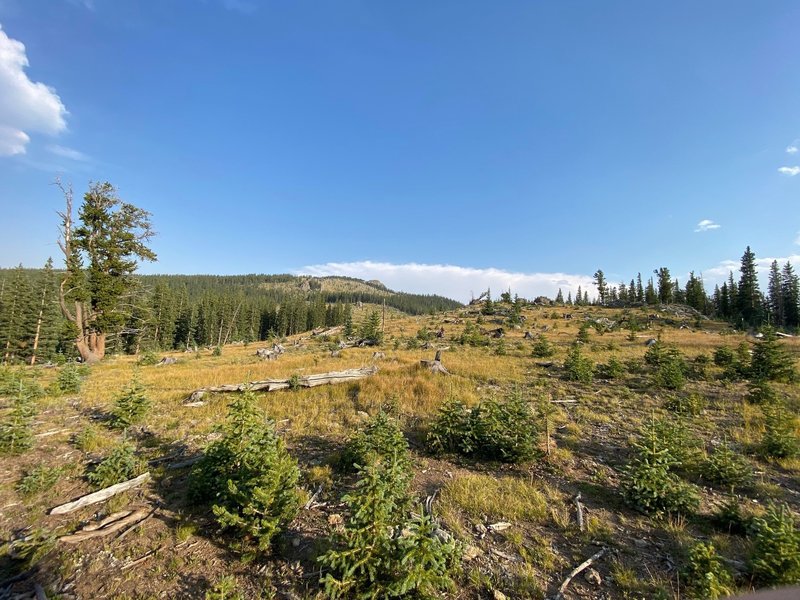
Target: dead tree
(435, 365)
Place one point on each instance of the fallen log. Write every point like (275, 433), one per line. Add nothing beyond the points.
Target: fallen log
(100, 495)
(106, 527)
(271, 385)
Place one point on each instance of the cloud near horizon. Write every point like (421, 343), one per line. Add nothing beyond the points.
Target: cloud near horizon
(707, 225)
(790, 171)
(25, 106)
(719, 274)
(459, 283)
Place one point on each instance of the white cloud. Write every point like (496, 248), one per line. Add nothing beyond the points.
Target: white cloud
(69, 153)
(707, 225)
(454, 281)
(792, 149)
(25, 105)
(790, 171)
(797, 239)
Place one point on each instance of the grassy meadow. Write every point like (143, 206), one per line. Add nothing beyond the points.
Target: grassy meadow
(586, 436)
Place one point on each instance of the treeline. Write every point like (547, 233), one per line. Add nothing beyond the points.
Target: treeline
(165, 312)
(739, 301)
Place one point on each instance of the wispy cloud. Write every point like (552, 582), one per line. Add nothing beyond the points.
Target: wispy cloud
(69, 153)
(790, 171)
(455, 281)
(707, 225)
(25, 106)
(797, 239)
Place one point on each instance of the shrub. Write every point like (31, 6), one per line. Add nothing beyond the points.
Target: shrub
(130, 406)
(730, 518)
(699, 367)
(542, 348)
(14, 382)
(120, 465)
(706, 576)
(472, 336)
(727, 467)
(39, 479)
(670, 372)
(583, 333)
(649, 483)
(380, 437)
(249, 476)
(15, 430)
(690, 404)
(723, 356)
(493, 430)
(770, 361)
(217, 351)
(613, 369)
(761, 392)
(504, 431)
(775, 555)
(148, 359)
(451, 429)
(780, 432)
(69, 379)
(577, 367)
(384, 551)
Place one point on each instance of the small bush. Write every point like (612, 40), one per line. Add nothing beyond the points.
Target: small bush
(583, 333)
(384, 551)
(689, 405)
(69, 379)
(120, 465)
(451, 429)
(649, 483)
(730, 518)
(225, 589)
(706, 575)
(577, 367)
(472, 336)
(15, 430)
(726, 467)
(504, 431)
(775, 556)
(613, 369)
(380, 437)
(148, 359)
(780, 433)
(131, 405)
(38, 479)
(761, 392)
(724, 356)
(542, 348)
(670, 372)
(770, 361)
(249, 476)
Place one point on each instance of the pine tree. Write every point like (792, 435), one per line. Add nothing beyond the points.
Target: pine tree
(639, 288)
(664, 285)
(15, 315)
(650, 296)
(348, 321)
(602, 286)
(749, 296)
(111, 237)
(696, 293)
(775, 296)
(579, 297)
(790, 293)
(559, 297)
(569, 298)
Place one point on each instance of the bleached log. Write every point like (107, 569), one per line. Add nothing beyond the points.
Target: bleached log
(271, 385)
(100, 495)
(107, 527)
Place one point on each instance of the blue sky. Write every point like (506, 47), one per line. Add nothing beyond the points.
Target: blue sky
(438, 146)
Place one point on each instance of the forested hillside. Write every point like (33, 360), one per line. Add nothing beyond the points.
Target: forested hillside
(178, 311)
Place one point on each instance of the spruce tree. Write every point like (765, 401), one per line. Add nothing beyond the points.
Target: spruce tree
(665, 289)
(602, 286)
(639, 288)
(790, 294)
(559, 297)
(749, 296)
(775, 296)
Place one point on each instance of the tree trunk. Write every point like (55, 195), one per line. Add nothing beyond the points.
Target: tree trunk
(38, 326)
(91, 347)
